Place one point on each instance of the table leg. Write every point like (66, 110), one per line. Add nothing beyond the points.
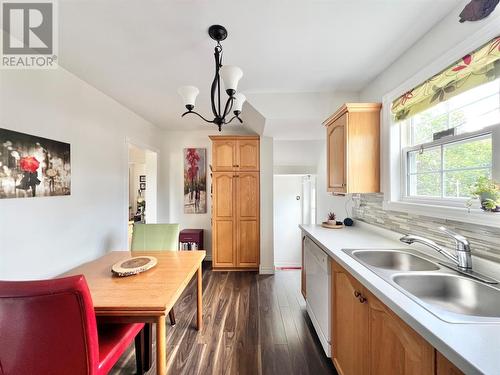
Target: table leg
(161, 347)
(199, 321)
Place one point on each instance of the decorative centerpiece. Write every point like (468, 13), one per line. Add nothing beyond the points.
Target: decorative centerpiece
(488, 192)
(133, 266)
(332, 222)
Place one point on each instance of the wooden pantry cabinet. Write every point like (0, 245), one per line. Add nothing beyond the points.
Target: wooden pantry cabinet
(368, 338)
(353, 149)
(235, 202)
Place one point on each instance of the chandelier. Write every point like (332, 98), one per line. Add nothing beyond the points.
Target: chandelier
(230, 76)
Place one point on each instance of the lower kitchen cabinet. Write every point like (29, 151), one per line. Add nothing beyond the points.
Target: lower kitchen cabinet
(349, 324)
(368, 338)
(445, 367)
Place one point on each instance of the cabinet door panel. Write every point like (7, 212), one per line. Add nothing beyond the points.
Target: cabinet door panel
(337, 155)
(223, 184)
(248, 155)
(223, 155)
(248, 243)
(224, 243)
(248, 195)
(223, 219)
(395, 348)
(445, 367)
(247, 223)
(350, 325)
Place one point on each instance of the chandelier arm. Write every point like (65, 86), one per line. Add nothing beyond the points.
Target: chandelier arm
(232, 118)
(229, 105)
(197, 114)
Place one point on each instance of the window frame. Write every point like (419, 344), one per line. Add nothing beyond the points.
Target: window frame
(391, 145)
(443, 201)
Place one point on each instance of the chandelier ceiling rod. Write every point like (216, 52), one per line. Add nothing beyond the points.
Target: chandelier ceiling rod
(230, 76)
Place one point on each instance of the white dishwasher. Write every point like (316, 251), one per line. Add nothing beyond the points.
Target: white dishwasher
(318, 285)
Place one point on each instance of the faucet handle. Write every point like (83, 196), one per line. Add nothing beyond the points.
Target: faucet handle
(459, 239)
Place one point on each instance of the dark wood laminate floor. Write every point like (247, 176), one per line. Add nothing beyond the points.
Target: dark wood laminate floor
(253, 324)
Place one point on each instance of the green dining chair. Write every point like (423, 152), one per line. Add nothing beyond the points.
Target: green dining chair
(156, 237)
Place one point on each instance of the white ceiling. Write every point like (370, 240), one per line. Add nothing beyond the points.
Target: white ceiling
(140, 51)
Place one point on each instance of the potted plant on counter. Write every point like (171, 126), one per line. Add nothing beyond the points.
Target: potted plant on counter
(488, 193)
(332, 219)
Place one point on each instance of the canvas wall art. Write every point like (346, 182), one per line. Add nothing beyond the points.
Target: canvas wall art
(32, 166)
(195, 180)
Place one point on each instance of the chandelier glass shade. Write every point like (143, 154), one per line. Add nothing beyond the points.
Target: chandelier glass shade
(224, 111)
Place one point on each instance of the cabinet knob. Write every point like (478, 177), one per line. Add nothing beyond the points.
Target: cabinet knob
(359, 296)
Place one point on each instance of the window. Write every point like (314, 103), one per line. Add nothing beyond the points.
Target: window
(445, 168)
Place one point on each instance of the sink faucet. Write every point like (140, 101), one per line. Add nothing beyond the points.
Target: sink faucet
(462, 257)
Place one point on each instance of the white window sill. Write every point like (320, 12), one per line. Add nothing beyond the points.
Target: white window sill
(476, 216)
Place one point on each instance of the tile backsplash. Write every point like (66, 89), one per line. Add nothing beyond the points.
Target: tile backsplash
(485, 241)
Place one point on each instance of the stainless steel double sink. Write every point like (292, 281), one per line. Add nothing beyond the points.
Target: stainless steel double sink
(445, 293)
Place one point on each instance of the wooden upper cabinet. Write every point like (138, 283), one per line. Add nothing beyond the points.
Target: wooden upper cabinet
(337, 181)
(223, 155)
(235, 153)
(247, 154)
(353, 149)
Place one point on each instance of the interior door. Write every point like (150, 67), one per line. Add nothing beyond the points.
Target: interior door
(223, 155)
(223, 215)
(337, 155)
(248, 154)
(247, 222)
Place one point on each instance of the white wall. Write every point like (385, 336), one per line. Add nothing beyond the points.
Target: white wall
(42, 237)
(266, 206)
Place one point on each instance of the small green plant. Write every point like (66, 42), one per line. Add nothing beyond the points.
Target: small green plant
(331, 216)
(488, 193)
(484, 185)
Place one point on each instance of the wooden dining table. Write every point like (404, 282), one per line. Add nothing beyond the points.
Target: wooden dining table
(146, 297)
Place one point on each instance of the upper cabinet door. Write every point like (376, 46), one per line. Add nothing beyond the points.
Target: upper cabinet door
(223, 155)
(336, 138)
(247, 154)
(353, 144)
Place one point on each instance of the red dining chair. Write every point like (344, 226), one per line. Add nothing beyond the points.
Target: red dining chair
(49, 327)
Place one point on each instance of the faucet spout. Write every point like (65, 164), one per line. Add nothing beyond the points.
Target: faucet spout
(410, 239)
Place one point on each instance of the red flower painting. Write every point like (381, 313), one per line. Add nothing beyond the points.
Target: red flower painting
(29, 164)
(195, 180)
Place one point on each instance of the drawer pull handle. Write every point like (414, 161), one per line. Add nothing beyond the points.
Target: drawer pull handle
(359, 296)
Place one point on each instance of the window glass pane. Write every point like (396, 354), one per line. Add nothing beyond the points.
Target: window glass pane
(468, 112)
(427, 161)
(469, 154)
(458, 184)
(425, 185)
(425, 124)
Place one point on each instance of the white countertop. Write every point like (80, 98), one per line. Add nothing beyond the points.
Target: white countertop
(472, 347)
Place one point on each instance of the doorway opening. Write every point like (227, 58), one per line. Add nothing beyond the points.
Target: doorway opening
(294, 204)
(142, 186)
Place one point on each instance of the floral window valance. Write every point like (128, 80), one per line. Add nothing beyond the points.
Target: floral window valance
(474, 69)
